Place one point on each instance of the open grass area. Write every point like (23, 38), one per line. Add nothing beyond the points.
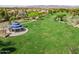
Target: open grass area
(46, 36)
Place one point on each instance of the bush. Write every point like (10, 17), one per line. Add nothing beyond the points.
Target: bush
(60, 16)
(33, 14)
(7, 50)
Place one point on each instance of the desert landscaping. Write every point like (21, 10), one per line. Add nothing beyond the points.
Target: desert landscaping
(39, 30)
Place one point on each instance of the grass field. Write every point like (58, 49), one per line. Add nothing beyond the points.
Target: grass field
(47, 36)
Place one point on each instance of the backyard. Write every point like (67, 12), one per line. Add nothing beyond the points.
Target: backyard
(46, 36)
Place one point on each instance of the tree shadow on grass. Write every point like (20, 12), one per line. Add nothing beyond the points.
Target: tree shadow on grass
(6, 43)
(7, 50)
(7, 47)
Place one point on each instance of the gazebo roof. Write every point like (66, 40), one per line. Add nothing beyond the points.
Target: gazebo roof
(16, 25)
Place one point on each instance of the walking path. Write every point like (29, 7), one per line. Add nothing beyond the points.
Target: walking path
(18, 33)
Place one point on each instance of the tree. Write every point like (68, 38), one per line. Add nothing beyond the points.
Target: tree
(2, 13)
(60, 16)
(12, 18)
(6, 17)
(50, 12)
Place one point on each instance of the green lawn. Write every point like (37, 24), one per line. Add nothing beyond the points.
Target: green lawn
(47, 36)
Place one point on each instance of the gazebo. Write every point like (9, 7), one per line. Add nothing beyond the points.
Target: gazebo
(16, 27)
